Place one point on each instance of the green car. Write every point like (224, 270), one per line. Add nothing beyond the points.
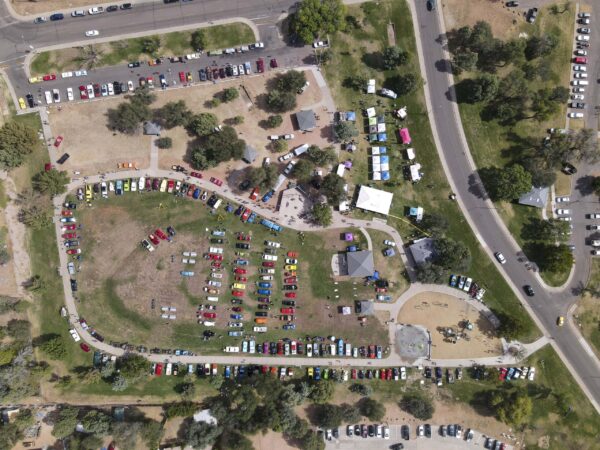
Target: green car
(126, 185)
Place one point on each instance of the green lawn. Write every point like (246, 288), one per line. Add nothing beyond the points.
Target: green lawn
(494, 144)
(587, 314)
(118, 52)
(431, 193)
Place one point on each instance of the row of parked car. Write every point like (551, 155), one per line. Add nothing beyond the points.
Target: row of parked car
(580, 61)
(467, 284)
(81, 13)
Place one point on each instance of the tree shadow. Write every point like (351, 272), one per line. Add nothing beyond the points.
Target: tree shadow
(584, 185)
(451, 94)
(480, 403)
(312, 412)
(373, 60)
(327, 132)
(443, 66)
(476, 186)
(43, 338)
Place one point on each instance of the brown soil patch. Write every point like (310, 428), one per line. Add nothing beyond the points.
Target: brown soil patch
(436, 311)
(25, 7)
(504, 21)
(270, 440)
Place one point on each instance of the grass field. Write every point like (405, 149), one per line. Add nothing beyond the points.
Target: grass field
(432, 192)
(494, 144)
(118, 52)
(588, 310)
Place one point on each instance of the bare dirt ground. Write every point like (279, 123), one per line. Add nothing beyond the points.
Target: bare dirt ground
(270, 440)
(250, 106)
(436, 311)
(25, 7)
(504, 21)
(93, 147)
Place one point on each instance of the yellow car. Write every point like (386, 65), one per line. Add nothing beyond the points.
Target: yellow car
(310, 372)
(163, 185)
(22, 103)
(290, 267)
(560, 321)
(88, 192)
(239, 286)
(33, 80)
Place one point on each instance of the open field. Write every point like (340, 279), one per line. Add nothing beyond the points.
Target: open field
(432, 192)
(494, 144)
(120, 52)
(587, 314)
(436, 311)
(118, 279)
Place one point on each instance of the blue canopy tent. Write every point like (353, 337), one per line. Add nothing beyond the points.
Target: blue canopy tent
(374, 277)
(384, 159)
(385, 176)
(382, 137)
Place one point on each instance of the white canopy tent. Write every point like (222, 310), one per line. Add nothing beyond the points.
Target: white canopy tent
(375, 200)
(415, 175)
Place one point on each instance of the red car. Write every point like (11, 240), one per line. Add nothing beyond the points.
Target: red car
(84, 347)
(239, 271)
(291, 280)
(382, 374)
(273, 63)
(58, 141)
(216, 181)
(353, 374)
(68, 227)
(191, 190)
(215, 264)
(243, 279)
(74, 251)
(237, 293)
(67, 213)
(382, 290)
(280, 348)
(260, 65)
(291, 273)
(288, 310)
(503, 372)
(210, 315)
(196, 174)
(290, 295)
(160, 234)
(158, 370)
(237, 309)
(264, 370)
(268, 264)
(246, 215)
(243, 237)
(153, 239)
(215, 257)
(388, 374)
(83, 92)
(254, 194)
(69, 236)
(49, 77)
(182, 77)
(292, 254)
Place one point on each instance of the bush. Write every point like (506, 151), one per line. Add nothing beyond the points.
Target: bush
(164, 142)
(372, 409)
(16, 141)
(417, 404)
(281, 101)
(230, 94)
(181, 409)
(274, 121)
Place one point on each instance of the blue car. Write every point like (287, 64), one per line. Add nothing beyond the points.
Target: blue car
(266, 292)
(186, 273)
(236, 333)
(264, 284)
(352, 248)
(241, 262)
(268, 196)
(227, 372)
(340, 347)
(289, 326)
(252, 218)
(119, 187)
(317, 375)
(242, 372)
(196, 194)
(237, 316)
(57, 16)
(453, 280)
(239, 211)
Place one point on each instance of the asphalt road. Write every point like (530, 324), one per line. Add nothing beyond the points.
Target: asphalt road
(547, 306)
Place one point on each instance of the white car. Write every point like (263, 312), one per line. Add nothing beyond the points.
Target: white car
(579, 68)
(389, 93)
(578, 90)
(595, 252)
(241, 69)
(580, 52)
(389, 243)
(96, 10)
(563, 199)
(577, 97)
(420, 431)
(285, 157)
(111, 89)
(500, 257)
(386, 432)
(566, 218)
(287, 137)
(403, 373)
(531, 374)
(583, 37)
(70, 96)
(320, 44)
(288, 169)
(130, 86)
(75, 335)
(580, 75)
(235, 70)
(81, 73)
(92, 33)
(584, 21)
(66, 74)
(563, 212)
(594, 216)
(575, 115)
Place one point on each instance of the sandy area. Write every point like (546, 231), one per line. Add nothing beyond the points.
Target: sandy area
(504, 21)
(92, 146)
(436, 311)
(25, 7)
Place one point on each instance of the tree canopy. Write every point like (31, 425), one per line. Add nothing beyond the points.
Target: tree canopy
(372, 409)
(263, 177)
(174, 114)
(333, 188)
(198, 40)
(281, 101)
(507, 183)
(292, 80)
(322, 156)
(16, 141)
(51, 182)
(418, 404)
(512, 406)
(393, 57)
(344, 131)
(316, 17)
(322, 215)
(202, 124)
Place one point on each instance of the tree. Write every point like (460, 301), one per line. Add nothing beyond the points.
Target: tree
(152, 432)
(119, 383)
(316, 17)
(436, 224)
(187, 390)
(362, 389)
(202, 124)
(143, 96)
(507, 183)
(512, 407)
(125, 434)
(403, 84)
(96, 422)
(464, 60)
(222, 146)
(333, 188)
(164, 142)
(451, 254)
(418, 404)
(328, 416)
(238, 120)
(128, 116)
(201, 434)
(393, 57)
(303, 170)
(482, 89)
(511, 326)
(274, 121)
(356, 82)
(16, 141)
(350, 413)
(51, 182)
(263, 177)
(198, 40)
(281, 101)
(550, 230)
(133, 366)
(312, 441)
(10, 436)
(150, 45)
(553, 258)
(292, 80)
(65, 423)
(233, 440)
(35, 216)
(280, 145)
(81, 441)
(542, 104)
(322, 391)
(7, 354)
(372, 409)
(174, 114)
(560, 94)
(54, 347)
(181, 409)
(19, 330)
(596, 185)
(344, 131)
(230, 94)
(322, 156)
(321, 213)
(540, 46)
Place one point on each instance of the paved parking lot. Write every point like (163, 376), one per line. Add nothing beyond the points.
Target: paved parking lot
(435, 443)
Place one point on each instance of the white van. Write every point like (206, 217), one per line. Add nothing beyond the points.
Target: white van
(212, 299)
(273, 244)
(260, 329)
(48, 96)
(232, 350)
(580, 83)
(217, 204)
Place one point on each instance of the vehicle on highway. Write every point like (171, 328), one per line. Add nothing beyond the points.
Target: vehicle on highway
(96, 10)
(92, 33)
(500, 257)
(41, 19)
(560, 321)
(529, 290)
(57, 16)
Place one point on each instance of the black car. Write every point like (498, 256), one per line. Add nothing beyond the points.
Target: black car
(512, 4)
(427, 372)
(242, 245)
(443, 431)
(126, 6)
(427, 430)
(112, 8)
(577, 105)
(57, 16)
(134, 64)
(229, 70)
(237, 301)
(261, 314)
(430, 5)
(202, 73)
(529, 290)
(171, 231)
(63, 158)
(30, 100)
(290, 287)
(438, 372)
(208, 333)
(73, 285)
(371, 431)
(405, 432)
(336, 433)
(117, 87)
(222, 73)
(289, 303)
(264, 307)
(451, 430)
(398, 446)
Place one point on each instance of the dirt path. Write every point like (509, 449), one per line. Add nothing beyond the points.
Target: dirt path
(17, 237)
(391, 32)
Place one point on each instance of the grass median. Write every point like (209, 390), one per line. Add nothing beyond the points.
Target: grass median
(139, 49)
